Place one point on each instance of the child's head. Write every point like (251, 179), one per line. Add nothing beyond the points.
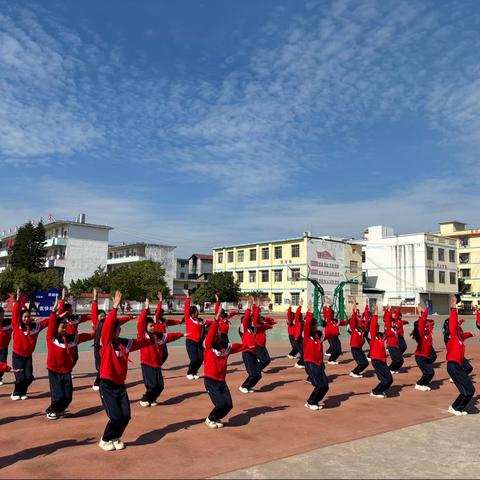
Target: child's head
(150, 326)
(194, 311)
(25, 316)
(69, 309)
(61, 327)
(102, 315)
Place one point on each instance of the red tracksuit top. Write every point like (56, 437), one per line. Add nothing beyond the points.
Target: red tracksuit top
(4, 368)
(5, 334)
(357, 333)
(161, 323)
(60, 349)
(312, 344)
(456, 345)
(290, 322)
(390, 333)
(114, 354)
(224, 323)
(152, 354)
(331, 329)
(215, 361)
(261, 328)
(73, 322)
(194, 326)
(425, 342)
(298, 326)
(377, 344)
(248, 336)
(25, 339)
(399, 323)
(477, 317)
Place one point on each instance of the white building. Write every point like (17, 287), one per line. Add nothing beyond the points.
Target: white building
(126, 254)
(192, 272)
(74, 248)
(412, 268)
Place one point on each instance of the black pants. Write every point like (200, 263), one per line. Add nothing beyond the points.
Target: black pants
(467, 366)
(360, 359)
(116, 404)
(335, 348)
(396, 357)
(294, 350)
(299, 345)
(98, 359)
(24, 378)
(61, 391)
(221, 398)
(425, 364)
(253, 369)
(464, 384)
(3, 358)
(153, 380)
(224, 340)
(75, 356)
(165, 353)
(195, 354)
(384, 376)
(263, 357)
(433, 355)
(402, 344)
(316, 374)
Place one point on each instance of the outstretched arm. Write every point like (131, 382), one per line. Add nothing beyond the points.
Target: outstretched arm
(111, 320)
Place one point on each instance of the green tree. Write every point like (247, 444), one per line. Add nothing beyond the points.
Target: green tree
(28, 250)
(257, 294)
(100, 279)
(221, 283)
(27, 282)
(48, 279)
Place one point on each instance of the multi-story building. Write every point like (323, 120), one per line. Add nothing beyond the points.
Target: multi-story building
(126, 254)
(192, 272)
(280, 268)
(74, 248)
(410, 268)
(468, 260)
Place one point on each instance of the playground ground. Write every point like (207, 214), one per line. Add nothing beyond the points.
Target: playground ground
(269, 434)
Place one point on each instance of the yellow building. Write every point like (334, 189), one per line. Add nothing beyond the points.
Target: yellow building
(279, 268)
(468, 259)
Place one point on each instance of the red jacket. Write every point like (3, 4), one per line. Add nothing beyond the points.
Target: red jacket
(290, 322)
(114, 353)
(298, 325)
(261, 328)
(456, 345)
(400, 323)
(248, 336)
(152, 354)
(215, 361)
(390, 333)
(331, 329)
(25, 339)
(194, 327)
(224, 323)
(357, 332)
(72, 321)
(161, 323)
(4, 368)
(477, 317)
(61, 349)
(377, 343)
(312, 344)
(425, 342)
(5, 334)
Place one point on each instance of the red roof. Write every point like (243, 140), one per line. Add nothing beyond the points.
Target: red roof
(202, 256)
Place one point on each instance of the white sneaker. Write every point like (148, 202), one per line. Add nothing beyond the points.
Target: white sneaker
(219, 424)
(453, 411)
(355, 375)
(312, 407)
(377, 395)
(52, 416)
(95, 387)
(196, 377)
(451, 380)
(393, 372)
(291, 357)
(190, 376)
(332, 363)
(328, 354)
(118, 444)
(369, 359)
(107, 446)
(1, 382)
(153, 404)
(463, 412)
(210, 424)
(144, 404)
(251, 391)
(420, 387)
(24, 397)
(299, 366)
(243, 390)
(426, 388)
(15, 397)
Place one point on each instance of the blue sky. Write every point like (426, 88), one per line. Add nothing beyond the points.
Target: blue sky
(201, 123)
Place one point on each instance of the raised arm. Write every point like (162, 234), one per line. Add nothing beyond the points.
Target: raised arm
(422, 320)
(217, 304)
(374, 325)
(142, 320)
(111, 320)
(307, 326)
(453, 320)
(186, 307)
(94, 311)
(159, 306)
(212, 332)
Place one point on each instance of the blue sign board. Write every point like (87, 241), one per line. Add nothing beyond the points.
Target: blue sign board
(45, 300)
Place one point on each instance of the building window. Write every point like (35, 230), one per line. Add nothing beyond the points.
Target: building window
(441, 254)
(278, 252)
(220, 259)
(240, 276)
(451, 256)
(229, 257)
(464, 258)
(464, 273)
(240, 256)
(252, 276)
(182, 275)
(265, 253)
(253, 254)
(295, 299)
(453, 278)
(353, 289)
(441, 277)
(295, 251)
(264, 276)
(464, 242)
(430, 277)
(277, 275)
(364, 256)
(185, 286)
(429, 253)
(295, 274)
(353, 266)
(277, 298)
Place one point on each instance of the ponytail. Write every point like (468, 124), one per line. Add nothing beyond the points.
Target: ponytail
(415, 332)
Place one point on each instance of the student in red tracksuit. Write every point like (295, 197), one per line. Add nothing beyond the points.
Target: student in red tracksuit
(215, 371)
(262, 324)
(113, 372)
(392, 342)
(422, 334)
(151, 356)
(5, 337)
(161, 324)
(249, 353)
(378, 356)
(298, 334)
(60, 360)
(98, 319)
(291, 330)
(195, 327)
(224, 322)
(25, 336)
(455, 357)
(313, 355)
(357, 339)
(332, 333)
(399, 327)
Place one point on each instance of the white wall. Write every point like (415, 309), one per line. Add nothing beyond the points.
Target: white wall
(166, 256)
